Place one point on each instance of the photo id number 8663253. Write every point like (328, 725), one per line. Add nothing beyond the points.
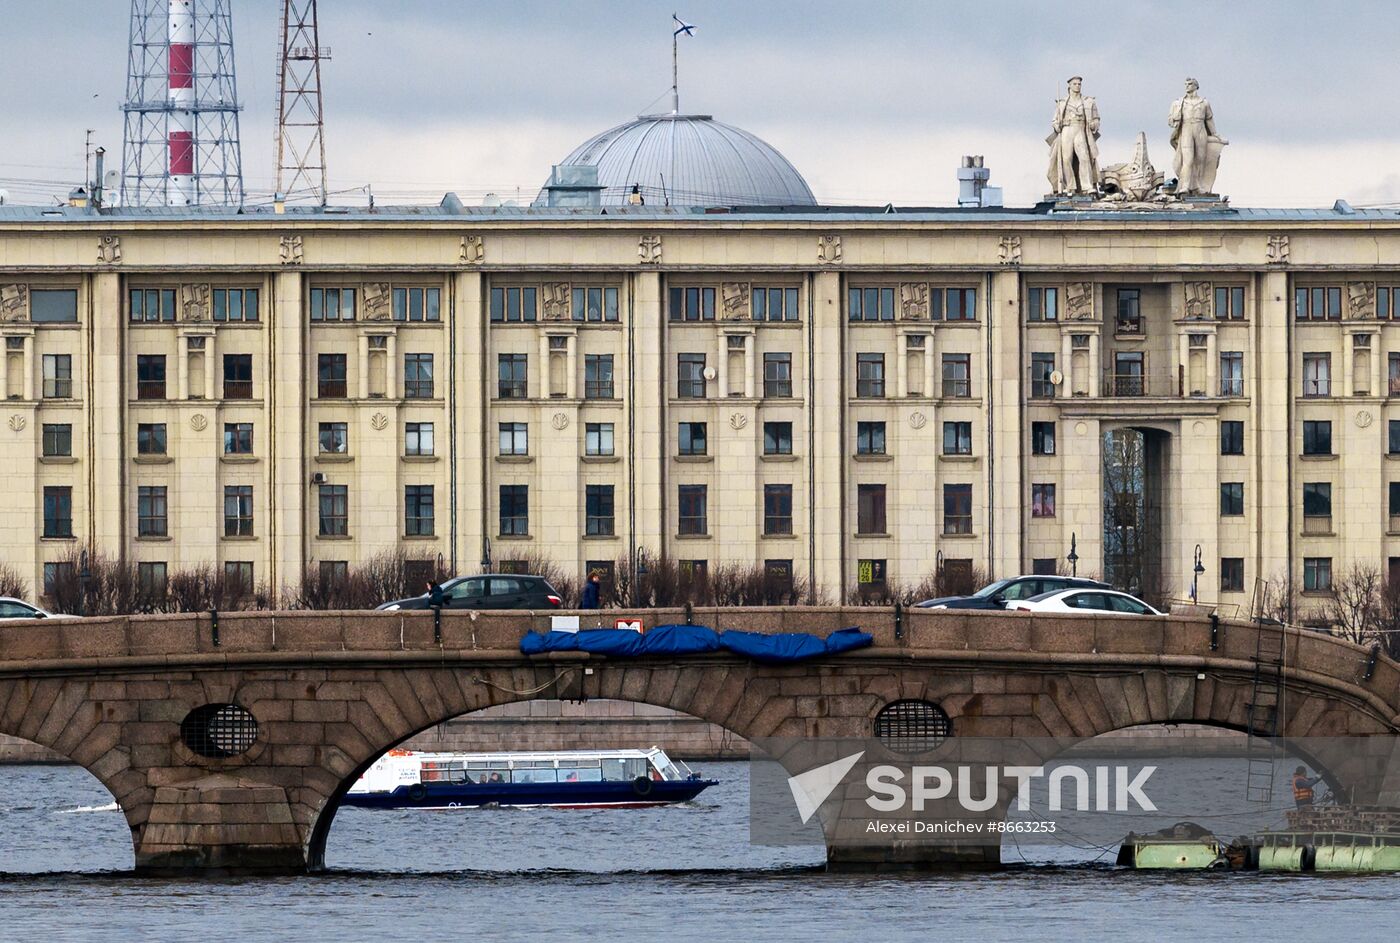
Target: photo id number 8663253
(1021, 828)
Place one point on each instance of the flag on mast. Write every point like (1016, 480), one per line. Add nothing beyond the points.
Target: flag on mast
(682, 26)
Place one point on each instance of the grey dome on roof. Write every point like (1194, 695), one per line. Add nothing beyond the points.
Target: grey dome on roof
(690, 160)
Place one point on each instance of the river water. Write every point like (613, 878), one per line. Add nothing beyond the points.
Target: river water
(682, 873)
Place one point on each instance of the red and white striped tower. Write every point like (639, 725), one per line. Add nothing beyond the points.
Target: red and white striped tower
(182, 102)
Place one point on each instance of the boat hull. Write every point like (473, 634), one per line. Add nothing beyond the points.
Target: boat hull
(591, 795)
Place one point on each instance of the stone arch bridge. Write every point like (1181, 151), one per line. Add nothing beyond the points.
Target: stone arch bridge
(330, 692)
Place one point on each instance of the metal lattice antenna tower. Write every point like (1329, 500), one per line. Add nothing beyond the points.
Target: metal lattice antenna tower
(301, 129)
(181, 146)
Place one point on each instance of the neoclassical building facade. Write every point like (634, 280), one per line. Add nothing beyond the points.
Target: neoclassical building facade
(851, 396)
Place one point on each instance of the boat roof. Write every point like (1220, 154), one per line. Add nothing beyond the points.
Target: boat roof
(538, 755)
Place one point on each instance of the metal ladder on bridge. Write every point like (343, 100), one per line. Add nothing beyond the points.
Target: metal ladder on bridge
(1264, 712)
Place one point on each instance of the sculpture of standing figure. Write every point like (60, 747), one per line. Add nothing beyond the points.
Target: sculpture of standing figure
(1073, 140)
(1197, 145)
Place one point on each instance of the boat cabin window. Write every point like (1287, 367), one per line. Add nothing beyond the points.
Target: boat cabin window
(580, 774)
(535, 775)
(442, 771)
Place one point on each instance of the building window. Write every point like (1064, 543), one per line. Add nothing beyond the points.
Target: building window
(52, 306)
(1229, 303)
(334, 510)
(871, 304)
(1394, 500)
(332, 438)
(513, 304)
(598, 438)
(418, 438)
(957, 375)
(597, 376)
(1318, 304)
(1386, 299)
(1317, 437)
(56, 575)
(870, 376)
(1232, 373)
(777, 438)
(1232, 437)
(1317, 374)
(870, 509)
(775, 304)
(870, 573)
(690, 376)
(957, 509)
(957, 438)
(1043, 566)
(1042, 365)
(238, 438)
(58, 376)
(333, 572)
(150, 438)
(692, 304)
(238, 577)
(777, 375)
(417, 304)
(238, 510)
(150, 376)
(1043, 304)
(1393, 369)
(870, 438)
(1317, 507)
(1393, 437)
(514, 438)
(150, 511)
(1042, 500)
(598, 510)
(418, 510)
(511, 376)
(692, 501)
(418, 376)
(515, 510)
(332, 304)
(151, 579)
(1232, 574)
(1042, 438)
(58, 440)
(1128, 375)
(693, 437)
(1317, 574)
(1231, 498)
(330, 376)
(961, 303)
(235, 304)
(58, 511)
(1129, 320)
(238, 376)
(595, 304)
(777, 510)
(152, 304)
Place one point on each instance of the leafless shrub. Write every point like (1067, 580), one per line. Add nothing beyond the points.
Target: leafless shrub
(1355, 605)
(11, 583)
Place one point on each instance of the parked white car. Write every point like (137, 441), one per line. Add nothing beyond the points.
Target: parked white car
(12, 608)
(1085, 600)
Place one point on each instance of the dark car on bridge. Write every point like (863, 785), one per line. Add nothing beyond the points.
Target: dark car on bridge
(489, 591)
(996, 595)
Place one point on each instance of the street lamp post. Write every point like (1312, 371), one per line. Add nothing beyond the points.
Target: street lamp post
(1073, 557)
(486, 554)
(84, 574)
(1196, 572)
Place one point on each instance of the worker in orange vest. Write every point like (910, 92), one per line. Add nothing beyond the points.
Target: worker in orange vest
(1303, 788)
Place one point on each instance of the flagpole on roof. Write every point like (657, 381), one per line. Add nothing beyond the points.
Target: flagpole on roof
(675, 84)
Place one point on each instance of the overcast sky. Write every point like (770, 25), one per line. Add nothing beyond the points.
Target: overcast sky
(873, 100)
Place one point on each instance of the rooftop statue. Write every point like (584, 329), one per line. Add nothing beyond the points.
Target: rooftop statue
(1197, 145)
(1137, 181)
(1073, 140)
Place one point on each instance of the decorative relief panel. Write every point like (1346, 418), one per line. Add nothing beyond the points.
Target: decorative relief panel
(913, 301)
(557, 301)
(472, 251)
(1010, 250)
(379, 422)
(14, 302)
(734, 301)
(1278, 250)
(109, 250)
(18, 422)
(560, 421)
(194, 302)
(649, 250)
(918, 420)
(378, 302)
(738, 420)
(293, 250)
(198, 422)
(1361, 300)
(1199, 301)
(1079, 301)
(828, 249)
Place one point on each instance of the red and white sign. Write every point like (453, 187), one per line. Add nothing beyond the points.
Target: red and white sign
(634, 625)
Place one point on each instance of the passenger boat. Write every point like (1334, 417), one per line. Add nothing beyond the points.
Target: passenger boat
(568, 779)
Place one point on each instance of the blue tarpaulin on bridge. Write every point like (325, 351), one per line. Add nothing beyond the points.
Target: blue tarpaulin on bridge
(696, 640)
